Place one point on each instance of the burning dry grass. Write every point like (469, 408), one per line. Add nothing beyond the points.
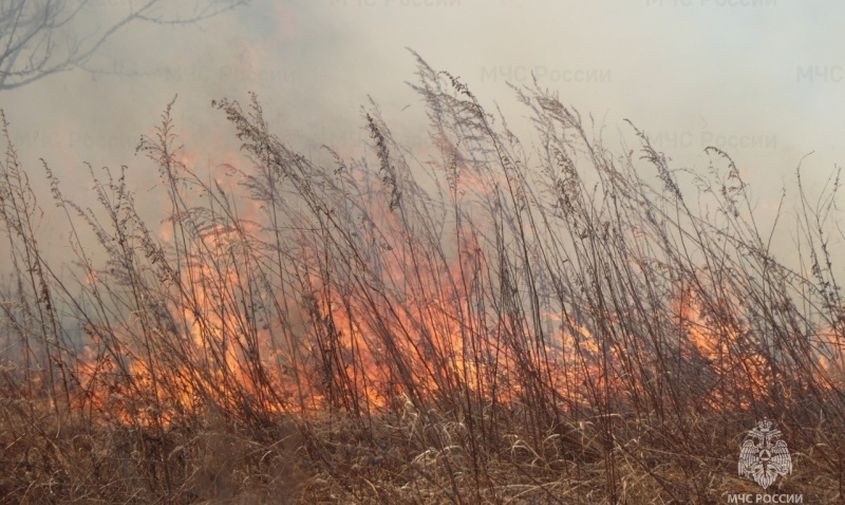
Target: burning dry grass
(501, 324)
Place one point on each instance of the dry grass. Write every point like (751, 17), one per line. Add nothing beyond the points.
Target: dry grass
(502, 323)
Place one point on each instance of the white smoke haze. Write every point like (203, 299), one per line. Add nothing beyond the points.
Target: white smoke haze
(761, 79)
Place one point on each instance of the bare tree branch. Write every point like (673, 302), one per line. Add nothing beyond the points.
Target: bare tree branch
(38, 37)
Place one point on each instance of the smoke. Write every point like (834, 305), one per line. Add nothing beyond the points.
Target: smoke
(759, 79)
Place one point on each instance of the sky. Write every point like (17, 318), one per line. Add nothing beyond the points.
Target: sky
(762, 79)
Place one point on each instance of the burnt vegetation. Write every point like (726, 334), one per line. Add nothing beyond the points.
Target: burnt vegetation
(501, 322)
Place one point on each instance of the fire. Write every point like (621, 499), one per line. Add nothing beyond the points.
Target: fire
(831, 360)
(387, 310)
(714, 346)
(368, 338)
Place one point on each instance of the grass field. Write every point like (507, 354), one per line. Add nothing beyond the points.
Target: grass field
(497, 320)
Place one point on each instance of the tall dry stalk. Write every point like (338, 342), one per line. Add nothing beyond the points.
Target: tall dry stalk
(550, 322)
